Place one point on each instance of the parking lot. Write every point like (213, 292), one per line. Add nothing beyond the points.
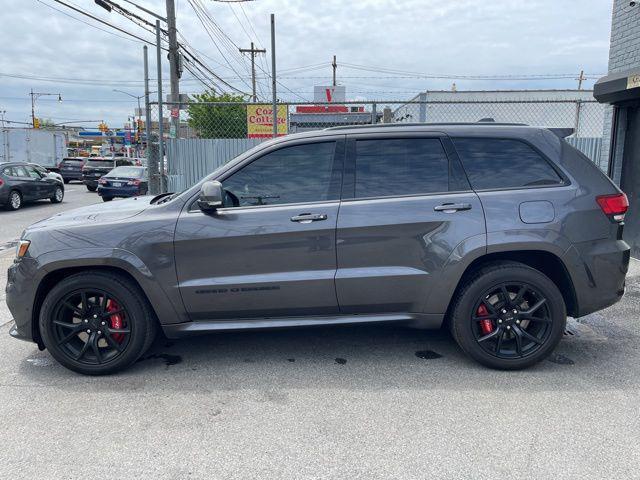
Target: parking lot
(352, 402)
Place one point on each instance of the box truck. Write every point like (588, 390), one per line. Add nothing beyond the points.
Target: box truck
(43, 147)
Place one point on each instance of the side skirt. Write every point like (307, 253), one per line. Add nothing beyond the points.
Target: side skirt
(418, 320)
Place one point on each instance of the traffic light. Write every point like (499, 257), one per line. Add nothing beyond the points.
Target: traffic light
(36, 123)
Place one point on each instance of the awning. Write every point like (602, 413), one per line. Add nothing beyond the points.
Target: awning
(618, 87)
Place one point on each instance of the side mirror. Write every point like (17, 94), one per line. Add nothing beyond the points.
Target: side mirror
(211, 195)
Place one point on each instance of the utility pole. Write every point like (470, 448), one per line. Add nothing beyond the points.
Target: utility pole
(160, 120)
(151, 164)
(174, 68)
(273, 75)
(335, 66)
(34, 97)
(253, 52)
(581, 78)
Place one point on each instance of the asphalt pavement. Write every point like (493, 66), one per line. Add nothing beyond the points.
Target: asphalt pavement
(345, 402)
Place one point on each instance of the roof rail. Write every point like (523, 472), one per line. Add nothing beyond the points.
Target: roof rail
(423, 124)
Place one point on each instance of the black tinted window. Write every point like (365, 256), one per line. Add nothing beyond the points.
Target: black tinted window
(400, 167)
(302, 173)
(100, 163)
(498, 163)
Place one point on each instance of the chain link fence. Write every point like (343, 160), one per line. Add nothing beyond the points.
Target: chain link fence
(201, 136)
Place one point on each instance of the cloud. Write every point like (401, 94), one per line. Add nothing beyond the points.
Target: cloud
(430, 36)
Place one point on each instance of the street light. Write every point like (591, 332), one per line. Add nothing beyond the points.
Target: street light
(34, 97)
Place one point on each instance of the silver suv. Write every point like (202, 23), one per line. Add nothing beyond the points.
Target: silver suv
(497, 231)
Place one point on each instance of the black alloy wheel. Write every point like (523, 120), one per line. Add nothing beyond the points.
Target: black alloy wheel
(511, 320)
(508, 316)
(96, 322)
(91, 327)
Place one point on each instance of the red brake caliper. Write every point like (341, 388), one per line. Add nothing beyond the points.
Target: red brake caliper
(486, 325)
(116, 320)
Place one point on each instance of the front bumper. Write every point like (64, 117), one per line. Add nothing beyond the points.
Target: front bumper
(20, 297)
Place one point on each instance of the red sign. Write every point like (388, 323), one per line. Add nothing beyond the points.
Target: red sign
(175, 112)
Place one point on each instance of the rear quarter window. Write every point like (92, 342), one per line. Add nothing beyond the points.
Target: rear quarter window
(495, 163)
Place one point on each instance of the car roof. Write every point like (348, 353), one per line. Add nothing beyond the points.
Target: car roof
(13, 164)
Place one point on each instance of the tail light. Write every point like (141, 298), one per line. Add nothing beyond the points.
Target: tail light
(133, 182)
(1, 182)
(102, 181)
(614, 206)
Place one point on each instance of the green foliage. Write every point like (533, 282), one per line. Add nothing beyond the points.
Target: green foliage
(218, 121)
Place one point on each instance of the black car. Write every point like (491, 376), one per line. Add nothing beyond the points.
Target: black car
(123, 182)
(21, 182)
(95, 168)
(71, 168)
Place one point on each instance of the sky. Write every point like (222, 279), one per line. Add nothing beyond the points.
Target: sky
(380, 45)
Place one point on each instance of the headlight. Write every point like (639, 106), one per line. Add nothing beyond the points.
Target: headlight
(22, 247)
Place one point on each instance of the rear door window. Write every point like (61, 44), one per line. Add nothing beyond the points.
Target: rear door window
(400, 166)
(20, 171)
(493, 163)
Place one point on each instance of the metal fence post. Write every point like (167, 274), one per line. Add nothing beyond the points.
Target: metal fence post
(422, 113)
(374, 113)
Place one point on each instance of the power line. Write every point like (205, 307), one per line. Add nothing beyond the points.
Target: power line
(101, 21)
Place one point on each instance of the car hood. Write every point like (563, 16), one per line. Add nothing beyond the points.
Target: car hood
(101, 212)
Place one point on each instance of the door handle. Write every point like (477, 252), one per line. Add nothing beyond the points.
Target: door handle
(309, 217)
(452, 207)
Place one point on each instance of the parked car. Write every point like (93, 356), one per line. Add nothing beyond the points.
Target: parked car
(94, 168)
(123, 182)
(22, 182)
(43, 171)
(497, 231)
(71, 168)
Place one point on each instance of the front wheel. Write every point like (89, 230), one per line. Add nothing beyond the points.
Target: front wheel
(15, 200)
(96, 323)
(58, 195)
(508, 316)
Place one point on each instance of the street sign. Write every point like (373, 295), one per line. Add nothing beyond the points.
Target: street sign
(260, 121)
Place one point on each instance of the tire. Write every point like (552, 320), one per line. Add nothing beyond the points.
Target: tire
(107, 199)
(495, 344)
(91, 189)
(137, 317)
(65, 180)
(58, 195)
(15, 200)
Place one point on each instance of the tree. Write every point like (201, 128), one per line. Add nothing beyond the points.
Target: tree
(218, 121)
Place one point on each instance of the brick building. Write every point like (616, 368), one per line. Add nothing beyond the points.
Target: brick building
(620, 90)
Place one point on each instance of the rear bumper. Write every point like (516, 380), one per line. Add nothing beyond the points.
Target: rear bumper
(128, 191)
(598, 270)
(90, 182)
(71, 175)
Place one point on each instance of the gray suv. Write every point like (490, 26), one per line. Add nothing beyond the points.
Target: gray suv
(496, 231)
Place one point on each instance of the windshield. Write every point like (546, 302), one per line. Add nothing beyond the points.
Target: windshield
(129, 172)
(100, 163)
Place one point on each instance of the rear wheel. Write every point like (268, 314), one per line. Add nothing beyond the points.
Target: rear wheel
(66, 180)
(508, 316)
(107, 199)
(91, 189)
(15, 200)
(96, 323)
(58, 195)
